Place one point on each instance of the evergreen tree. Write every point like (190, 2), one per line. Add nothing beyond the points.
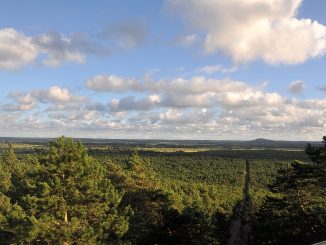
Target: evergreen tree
(317, 154)
(298, 216)
(67, 199)
(143, 194)
(192, 226)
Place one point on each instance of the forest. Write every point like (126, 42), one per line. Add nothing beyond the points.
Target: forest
(70, 193)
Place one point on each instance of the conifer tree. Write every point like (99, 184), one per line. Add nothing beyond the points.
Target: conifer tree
(298, 216)
(67, 199)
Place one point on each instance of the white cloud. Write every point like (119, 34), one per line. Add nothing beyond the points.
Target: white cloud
(53, 48)
(112, 83)
(154, 99)
(18, 50)
(197, 107)
(170, 115)
(131, 103)
(216, 68)
(190, 100)
(179, 92)
(58, 49)
(54, 94)
(195, 85)
(24, 101)
(248, 30)
(297, 87)
(17, 107)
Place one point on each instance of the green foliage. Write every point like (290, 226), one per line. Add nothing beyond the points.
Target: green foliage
(317, 154)
(65, 198)
(142, 193)
(209, 182)
(192, 226)
(156, 194)
(118, 196)
(296, 212)
(263, 173)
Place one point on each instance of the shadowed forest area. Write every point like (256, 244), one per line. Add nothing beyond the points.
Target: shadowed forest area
(68, 193)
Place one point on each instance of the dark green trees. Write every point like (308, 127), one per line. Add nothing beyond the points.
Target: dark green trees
(298, 214)
(154, 220)
(143, 194)
(64, 198)
(317, 154)
(61, 195)
(192, 226)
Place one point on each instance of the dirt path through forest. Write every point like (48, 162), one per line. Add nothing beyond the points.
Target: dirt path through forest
(239, 231)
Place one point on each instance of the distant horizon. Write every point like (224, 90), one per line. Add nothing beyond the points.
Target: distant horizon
(160, 139)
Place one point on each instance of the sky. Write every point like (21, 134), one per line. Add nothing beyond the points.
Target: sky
(163, 69)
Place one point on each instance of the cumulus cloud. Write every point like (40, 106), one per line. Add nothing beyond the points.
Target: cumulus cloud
(195, 85)
(24, 101)
(52, 49)
(112, 83)
(72, 48)
(17, 107)
(296, 87)
(176, 100)
(197, 92)
(180, 118)
(216, 68)
(200, 104)
(56, 95)
(131, 103)
(18, 49)
(197, 107)
(249, 30)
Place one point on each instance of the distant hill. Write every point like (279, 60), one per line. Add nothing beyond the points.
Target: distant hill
(260, 142)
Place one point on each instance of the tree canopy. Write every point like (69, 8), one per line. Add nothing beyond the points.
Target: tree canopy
(64, 197)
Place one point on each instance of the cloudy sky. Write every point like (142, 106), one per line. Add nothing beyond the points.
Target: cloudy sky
(166, 69)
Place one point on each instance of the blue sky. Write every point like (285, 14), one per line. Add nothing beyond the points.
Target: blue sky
(174, 69)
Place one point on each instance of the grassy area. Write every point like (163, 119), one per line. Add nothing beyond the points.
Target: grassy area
(194, 149)
(19, 146)
(174, 149)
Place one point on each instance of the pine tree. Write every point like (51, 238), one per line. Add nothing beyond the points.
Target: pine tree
(143, 194)
(67, 199)
(298, 215)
